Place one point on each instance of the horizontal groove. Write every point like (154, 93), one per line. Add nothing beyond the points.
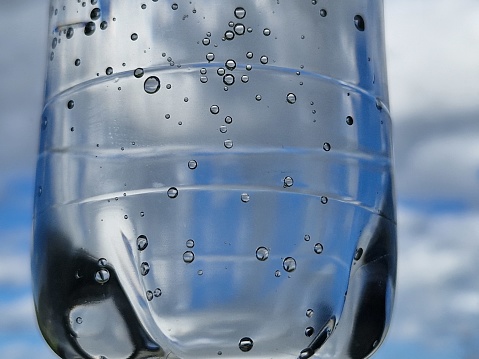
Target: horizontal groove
(192, 66)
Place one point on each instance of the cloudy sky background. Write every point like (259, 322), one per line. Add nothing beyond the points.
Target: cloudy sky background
(433, 64)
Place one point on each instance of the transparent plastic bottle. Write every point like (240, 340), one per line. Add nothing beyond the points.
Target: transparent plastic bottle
(214, 180)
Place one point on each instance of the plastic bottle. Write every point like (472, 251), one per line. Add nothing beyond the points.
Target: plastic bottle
(214, 180)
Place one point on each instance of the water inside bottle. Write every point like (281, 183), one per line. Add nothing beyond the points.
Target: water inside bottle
(215, 181)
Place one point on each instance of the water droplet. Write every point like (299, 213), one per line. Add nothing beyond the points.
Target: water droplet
(102, 262)
(358, 254)
(229, 79)
(244, 78)
(210, 56)
(258, 97)
(152, 84)
(239, 29)
(359, 22)
(206, 41)
(71, 104)
(172, 192)
(79, 320)
(229, 35)
(228, 144)
(103, 25)
(291, 98)
(309, 331)
(89, 28)
(324, 199)
(277, 274)
(203, 79)
(134, 36)
(245, 344)
(102, 276)
(326, 146)
(228, 119)
(240, 13)
(289, 264)
(223, 129)
(230, 64)
(266, 32)
(77, 62)
(221, 71)
(323, 12)
(192, 164)
(95, 14)
(174, 6)
(264, 59)
(349, 120)
(245, 197)
(306, 353)
(157, 292)
(262, 253)
(309, 313)
(149, 295)
(138, 72)
(318, 248)
(188, 257)
(190, 243)
(288, 181)
(214, 109)
(144, 268)
(70, 32)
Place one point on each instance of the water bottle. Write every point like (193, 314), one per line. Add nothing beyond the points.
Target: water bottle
(214, 180)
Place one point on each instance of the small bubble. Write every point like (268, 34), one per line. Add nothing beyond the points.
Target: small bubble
(102, 276)
(142, 214)
(249, 55)
(228, 79)
(229, 35)
(266, 32)
(200, 272)
(168, 86)
(230, 64)
(89, 28)
(221, 71)
(288, 181)
(95, 14)
(167, 116)
(214, 109)
(143, 6)
(206, 41)
(309, 331)
(262, 253)
(277, 274)
(240, 13)
(144, 268)
(102, 262)
(152, 85)
(245, 344)
(239, 29)
(349, 120)
(249, 67)
(139, 72)
(190, 243)
(291, 98)
(192, 164)
(245, 197)
(289, 264)
(70, 32)
(264, 59)
(72, 129)
(314, 2)
(188, 257)
(324, 199)
(103, 25)
(54, 42)
(185, 99)
(231, 24)
(244, 78)
(379, 104)
(228, 144)
(228, 119)
(204, 79)
(71, 104)
(149, 295)
(172, 192)
(358, 254)
(77, 62)
(210, 56)
(323, 12)
(223, 129)
(79, 320)
(125, 216)
(306, 353)
(141, 242)
(249, 29)
(109, 71)
(157, 292)
(174, 6)
(40, 191)
(302, 37)
(309, 313)
(318, 248)
(359, 22)
(258, 97)
(307, 237)
(326, 146)
(220, 352)
(134, 36)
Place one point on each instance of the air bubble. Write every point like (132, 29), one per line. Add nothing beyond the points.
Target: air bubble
(79, 320)
(186, 99)
(102, 262)
(102, 276)
(139, 72)
(264, 59)
(77, 62)
(228, 119)
(231, 24)
(229, 35)
(230, 64)
(89, 28)
(70, 104)
(323, 12)
(309, 331)
(54, 42)
(206, 41)
(349, 120)
(239, 29)
(245, 197)
(326, 146)
(309, 313)
(228, 79)
(200, 272)
(143, 6)
(358, 254)
(306, 353)
(152, 84)
(204, 79)
(134, 36)
(240, 13)
(291, 98)
(157, 292)
(258, 97)
(289, 264)
(223, 129)
(249, 67)
(103, 25)
(214, 109)
(109, 71)
(210, 56)
(307, 237)
(262, 253)
(249, 55)
(244, 78)
(245, 344)
(192, 164)
(142, 214)
(228, 144)
(288, 181)
(70, 32)
(190, 243)
(266, 32)
(149, 295)
(188, 257)
(359, 22)
(277, 274)
(144, 268)
(324, 199)
(318, 248)
(172, 192)
(174, 6)
(95, 14)
(221, 71)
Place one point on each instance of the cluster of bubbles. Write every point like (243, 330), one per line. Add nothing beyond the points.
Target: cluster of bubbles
(141, 245)
(103, 274)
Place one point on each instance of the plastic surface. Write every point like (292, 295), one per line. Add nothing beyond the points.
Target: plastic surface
(214, 180)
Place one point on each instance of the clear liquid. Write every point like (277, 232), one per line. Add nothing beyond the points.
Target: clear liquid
(208, 174)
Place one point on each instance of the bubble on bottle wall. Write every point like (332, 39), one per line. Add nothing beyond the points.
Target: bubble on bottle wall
(70, 104)
(188, 257)
(245, 344)
(288, 181)
(95, 14)
(144, 268)
(323, 12)
(262, 253)
(190, 243)
(289, 264)
(139, 72)
(266, 32)
(318, 248)
(89, 28)
(291, 98)
(349, 120)
(172, 192)
(245, 197)
(214, 109)
(103, 25)
(192, 164)
(102, 276)
(151, 85)
(359, 22)
(240, 12)
(264, 59)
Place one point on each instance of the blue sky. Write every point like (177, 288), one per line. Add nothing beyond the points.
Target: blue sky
(434, 92)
